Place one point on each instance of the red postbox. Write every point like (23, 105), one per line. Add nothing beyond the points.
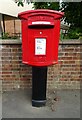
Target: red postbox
(40, 36)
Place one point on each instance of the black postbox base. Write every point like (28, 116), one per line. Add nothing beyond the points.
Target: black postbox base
(39, 81)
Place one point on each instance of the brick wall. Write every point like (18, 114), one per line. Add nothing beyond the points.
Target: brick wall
(65, 75)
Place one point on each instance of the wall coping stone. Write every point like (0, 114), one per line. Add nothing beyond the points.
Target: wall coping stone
(71, 42)
(10, 41)
(19, 41)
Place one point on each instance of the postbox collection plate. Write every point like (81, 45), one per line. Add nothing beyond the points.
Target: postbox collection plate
(40, 46)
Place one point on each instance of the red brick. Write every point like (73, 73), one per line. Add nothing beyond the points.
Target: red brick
(15, 73)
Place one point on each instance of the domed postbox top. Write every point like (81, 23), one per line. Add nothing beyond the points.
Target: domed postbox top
(55, 14)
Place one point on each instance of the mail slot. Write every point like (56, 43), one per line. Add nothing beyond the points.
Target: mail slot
(40, 36)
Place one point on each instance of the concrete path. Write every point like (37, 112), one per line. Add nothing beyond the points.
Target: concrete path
(0, 105)
(18, 105)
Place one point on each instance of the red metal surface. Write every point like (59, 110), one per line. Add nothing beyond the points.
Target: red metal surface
(40, 36)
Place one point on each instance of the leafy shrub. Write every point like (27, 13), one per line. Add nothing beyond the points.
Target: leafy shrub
(73, 34)
(5, 35)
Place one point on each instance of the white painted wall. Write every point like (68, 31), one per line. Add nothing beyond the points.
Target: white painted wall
(9, 7)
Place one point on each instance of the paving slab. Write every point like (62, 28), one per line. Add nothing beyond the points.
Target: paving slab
(18, 104)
